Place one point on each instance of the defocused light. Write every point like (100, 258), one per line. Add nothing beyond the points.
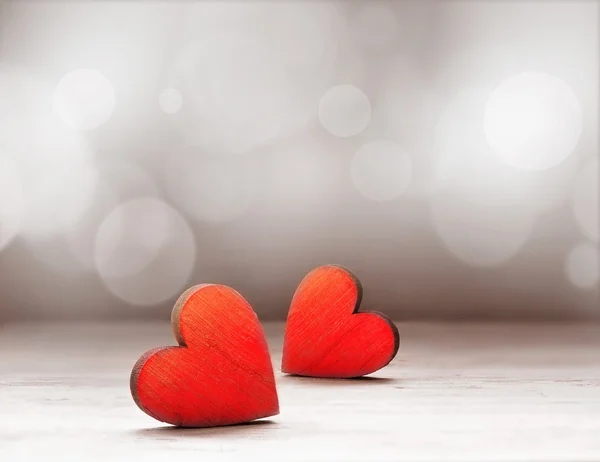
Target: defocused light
(375, 26)
(464, 162)
(80, 240)
(251, 73)
(480, 235)
(59, 180)
(581, 265)
(57, 173)
(209, 188)
(84, 99)
(145, 251)
(533, 121)
(57, 198)
(136, 229)
(585, 199)
(381, 170)
(11, 201)
(344, 111)
(408, 110)
(119, 181)
(467, 165)
(170, 100)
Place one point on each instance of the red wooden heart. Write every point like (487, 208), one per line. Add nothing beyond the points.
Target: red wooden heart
(221, 374)
(326, 335)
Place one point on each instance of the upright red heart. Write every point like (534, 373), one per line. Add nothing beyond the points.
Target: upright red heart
(326, 335)
(221, 374)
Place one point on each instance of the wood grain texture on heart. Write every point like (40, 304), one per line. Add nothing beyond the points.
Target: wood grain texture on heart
(327, 336)
(221, 372)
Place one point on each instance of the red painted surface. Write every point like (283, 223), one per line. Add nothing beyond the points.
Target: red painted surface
(325, 334)
(221, 374)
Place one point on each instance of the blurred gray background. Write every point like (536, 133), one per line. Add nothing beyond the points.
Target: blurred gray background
(446, 152)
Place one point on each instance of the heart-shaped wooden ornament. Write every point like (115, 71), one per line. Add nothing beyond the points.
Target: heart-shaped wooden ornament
(326, 335)
(221, 372)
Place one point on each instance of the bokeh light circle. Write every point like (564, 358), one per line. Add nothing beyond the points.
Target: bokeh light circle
(581, 265)
(285, 54)
(465, 163)
(144, 251)
(170, 100)
(11, 201)
(381, 170)
(533, 121)
(344, 111)
(57, 198)
(84, 99)
(584, 199)
(56, 166)
(119, 181)
(480, 235)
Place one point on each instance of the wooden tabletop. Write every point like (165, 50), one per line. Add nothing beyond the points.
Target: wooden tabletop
(459, 392)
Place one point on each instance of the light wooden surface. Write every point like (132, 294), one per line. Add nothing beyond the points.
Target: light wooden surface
(454, 392)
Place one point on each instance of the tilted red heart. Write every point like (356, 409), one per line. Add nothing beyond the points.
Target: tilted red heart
(221, 374)
(326, 335)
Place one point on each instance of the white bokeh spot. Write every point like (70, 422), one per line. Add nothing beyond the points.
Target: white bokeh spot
(170, 101)
(57, 173)
(284, 54)
(145, 251)
(57, 199)
(119, 181)
(84, 99)
(533, 121)
(465, 164)
(344, 111)
(581, 265)
(584, 199)
(381, 170)
(480, 235)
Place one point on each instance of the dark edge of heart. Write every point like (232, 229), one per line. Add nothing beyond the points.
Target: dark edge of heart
(356, 310)
(135, 375)
(178, 309)
(141, 362)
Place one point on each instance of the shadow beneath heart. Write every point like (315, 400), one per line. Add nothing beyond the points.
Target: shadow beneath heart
(328, 382)
(243, 430)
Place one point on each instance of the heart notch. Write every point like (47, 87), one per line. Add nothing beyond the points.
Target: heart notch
(327, 336)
